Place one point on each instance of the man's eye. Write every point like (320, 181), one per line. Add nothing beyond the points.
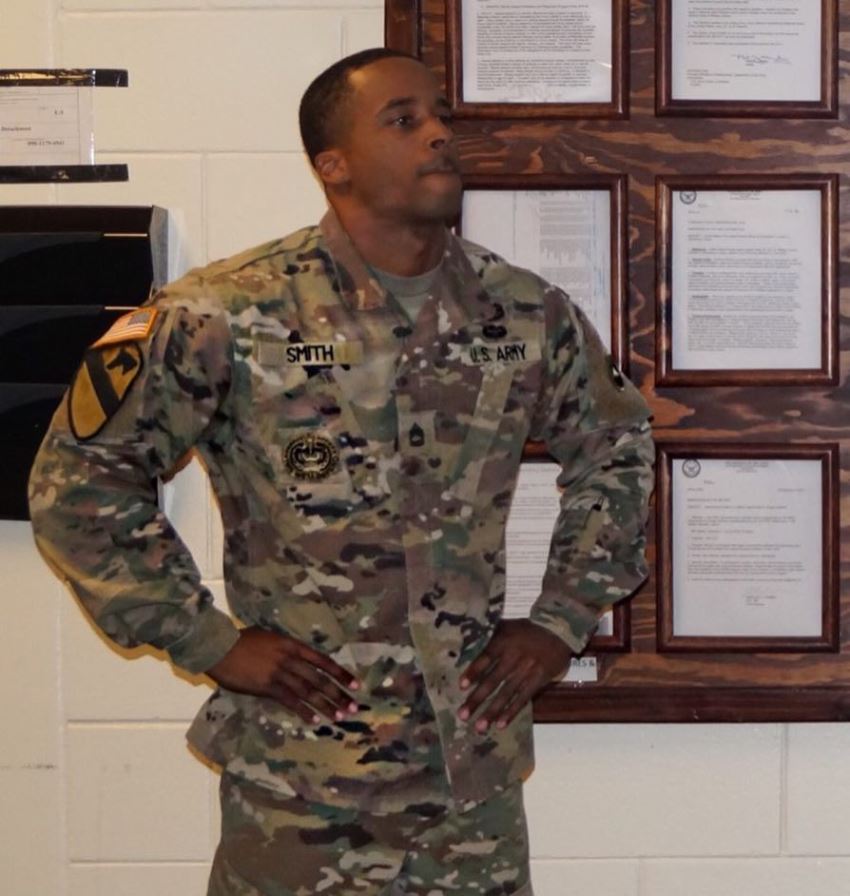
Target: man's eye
(403, 121)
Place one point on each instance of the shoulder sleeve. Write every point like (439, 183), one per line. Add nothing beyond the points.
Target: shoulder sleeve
(595, 423)
(136, 406)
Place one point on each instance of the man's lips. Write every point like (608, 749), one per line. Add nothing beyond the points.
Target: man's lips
(444, 166)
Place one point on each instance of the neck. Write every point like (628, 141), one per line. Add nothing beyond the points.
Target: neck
(403, 249)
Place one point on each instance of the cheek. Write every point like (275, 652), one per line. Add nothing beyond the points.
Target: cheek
(391, 181)
(381, 173)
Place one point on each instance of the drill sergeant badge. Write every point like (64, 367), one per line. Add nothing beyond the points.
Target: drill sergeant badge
(311, 457)
(109, 369)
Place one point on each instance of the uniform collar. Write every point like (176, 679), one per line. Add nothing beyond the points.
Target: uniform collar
(461, 296)
(360, 290)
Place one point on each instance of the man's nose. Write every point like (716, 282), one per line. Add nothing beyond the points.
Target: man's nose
(441, 134)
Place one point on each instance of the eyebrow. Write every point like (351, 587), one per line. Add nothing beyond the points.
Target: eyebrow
(400, 101)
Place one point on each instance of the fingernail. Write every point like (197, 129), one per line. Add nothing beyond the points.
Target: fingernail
(481, 725)
(339, 715)
(353, 707)
(464, 682)
(354, 686)
(316, 720)
(464, 714)
(501, 724)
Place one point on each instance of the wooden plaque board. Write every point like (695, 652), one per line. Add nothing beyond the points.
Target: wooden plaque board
(642, 683)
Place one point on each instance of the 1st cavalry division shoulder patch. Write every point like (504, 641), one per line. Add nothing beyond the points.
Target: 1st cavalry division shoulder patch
(109, 369)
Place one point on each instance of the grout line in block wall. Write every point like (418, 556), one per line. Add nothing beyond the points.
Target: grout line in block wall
(53, 12)
(643, 858)
(119, 13)
(64, 830)
(343, 36)
(184, 11)
(302, 7)
(118, 154)
(783, 791)
(135, 863)
(123, 724)
(205, 217)
(208, 527)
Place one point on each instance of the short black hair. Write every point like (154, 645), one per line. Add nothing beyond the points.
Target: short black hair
(319, 112)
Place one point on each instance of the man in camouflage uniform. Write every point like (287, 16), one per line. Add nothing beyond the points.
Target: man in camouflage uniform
(360, 393)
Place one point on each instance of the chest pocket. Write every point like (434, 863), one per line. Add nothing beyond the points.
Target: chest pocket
(306, 431)
(492, 386)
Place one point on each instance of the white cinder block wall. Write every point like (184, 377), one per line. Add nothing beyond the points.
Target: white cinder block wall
(98, 793)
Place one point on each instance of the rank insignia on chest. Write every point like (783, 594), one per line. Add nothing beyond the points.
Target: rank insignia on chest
(101, 385)
(311, 457)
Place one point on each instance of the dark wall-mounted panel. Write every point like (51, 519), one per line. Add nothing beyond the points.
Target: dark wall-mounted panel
(66, 273)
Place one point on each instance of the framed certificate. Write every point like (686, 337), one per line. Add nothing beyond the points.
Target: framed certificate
(570, 230)
(747, 280)
(531, 521)
(747, 547)
(766, 58)
(537, 58)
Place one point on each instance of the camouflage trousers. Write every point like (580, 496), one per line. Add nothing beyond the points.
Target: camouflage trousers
(273, 845)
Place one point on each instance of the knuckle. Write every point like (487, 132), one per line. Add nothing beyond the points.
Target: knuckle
(331, 692)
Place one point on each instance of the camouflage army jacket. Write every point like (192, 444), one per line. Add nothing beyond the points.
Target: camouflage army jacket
(364, 470)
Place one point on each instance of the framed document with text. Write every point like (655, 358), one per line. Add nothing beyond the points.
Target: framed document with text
(531, 521)
(537, 58)
(765, 58)
(747, 281)
(747, 547)
(569, 229)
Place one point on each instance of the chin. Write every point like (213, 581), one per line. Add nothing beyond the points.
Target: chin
(444, 209)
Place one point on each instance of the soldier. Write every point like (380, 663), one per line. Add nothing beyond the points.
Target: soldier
(360, 393)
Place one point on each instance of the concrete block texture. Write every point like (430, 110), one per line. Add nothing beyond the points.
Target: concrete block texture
(124, 5)
(31, 827)
(29, 658)
(600, 877)
(165, 879)
(104, 683)
(299, 4)
(214, 81)
(253, 198)
(362, 30)
(26, 194)
(818, 783)
(746, 877)
(25, 33)
(640, 790)
(136, 794)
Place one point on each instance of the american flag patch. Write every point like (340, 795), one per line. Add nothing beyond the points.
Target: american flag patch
(131, 327)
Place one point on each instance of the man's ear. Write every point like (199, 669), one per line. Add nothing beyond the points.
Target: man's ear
(332, 167)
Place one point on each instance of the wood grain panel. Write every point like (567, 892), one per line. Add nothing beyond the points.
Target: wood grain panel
(642, 685)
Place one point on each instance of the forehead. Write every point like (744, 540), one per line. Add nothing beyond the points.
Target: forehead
(390, 79)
